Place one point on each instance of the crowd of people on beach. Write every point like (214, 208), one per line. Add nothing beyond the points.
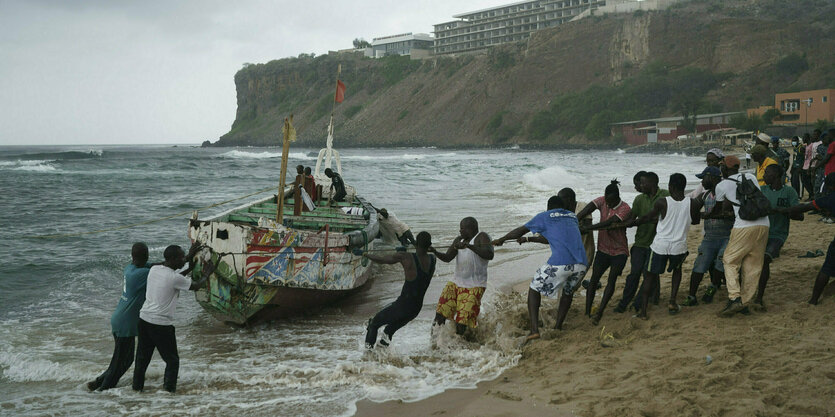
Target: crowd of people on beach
(746, 216)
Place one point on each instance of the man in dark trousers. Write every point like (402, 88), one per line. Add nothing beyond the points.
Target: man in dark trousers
(124, 321)
(156, 318)
(418, 269)
(338, 192)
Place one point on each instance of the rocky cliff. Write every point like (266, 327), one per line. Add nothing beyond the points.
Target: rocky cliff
(752, 49)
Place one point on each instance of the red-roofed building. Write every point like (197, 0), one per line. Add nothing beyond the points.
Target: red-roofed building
(639, 132)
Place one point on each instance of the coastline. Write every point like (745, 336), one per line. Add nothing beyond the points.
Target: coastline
(659, 149)
(769, 363)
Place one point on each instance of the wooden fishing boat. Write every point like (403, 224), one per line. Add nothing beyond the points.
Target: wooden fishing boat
(276, 260)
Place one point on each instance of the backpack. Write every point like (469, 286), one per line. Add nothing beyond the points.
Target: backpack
(753, 204)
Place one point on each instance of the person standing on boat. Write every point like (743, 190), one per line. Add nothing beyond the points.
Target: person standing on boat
(310, 184)
(338, 192)
(418, 269)
(461, 298)
(125, 318)
(400, 230)
(300, 179)
(156, 318)
(562, 274)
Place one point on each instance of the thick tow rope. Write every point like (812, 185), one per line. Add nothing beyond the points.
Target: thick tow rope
(128, 226)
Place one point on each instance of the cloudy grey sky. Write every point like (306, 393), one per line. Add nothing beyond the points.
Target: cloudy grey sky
(136, 72)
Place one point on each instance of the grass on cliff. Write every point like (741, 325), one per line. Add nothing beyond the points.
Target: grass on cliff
(656, 90)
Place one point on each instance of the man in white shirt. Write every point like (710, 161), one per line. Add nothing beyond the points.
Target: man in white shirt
(400, 230)
(460, 299)
(156, 318)
(746, 245)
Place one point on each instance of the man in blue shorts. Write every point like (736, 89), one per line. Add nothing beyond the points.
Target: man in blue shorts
(567, 265)
(827, 205)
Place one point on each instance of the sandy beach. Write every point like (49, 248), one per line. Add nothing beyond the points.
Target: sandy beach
(772, 363)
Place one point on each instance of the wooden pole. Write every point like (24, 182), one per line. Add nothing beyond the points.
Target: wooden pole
(279, 213)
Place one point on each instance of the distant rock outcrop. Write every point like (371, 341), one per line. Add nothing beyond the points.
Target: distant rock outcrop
(492, 98)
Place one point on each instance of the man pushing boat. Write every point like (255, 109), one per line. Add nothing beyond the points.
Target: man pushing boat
(418, 269)
(461, 298)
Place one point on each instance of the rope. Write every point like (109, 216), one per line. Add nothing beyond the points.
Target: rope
(364, 260)
(128, 226)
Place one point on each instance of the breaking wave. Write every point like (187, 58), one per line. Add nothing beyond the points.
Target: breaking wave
(33, 166)
(550, 179)
(236, 154)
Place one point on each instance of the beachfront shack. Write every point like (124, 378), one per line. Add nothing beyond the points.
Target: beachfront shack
(664, 129)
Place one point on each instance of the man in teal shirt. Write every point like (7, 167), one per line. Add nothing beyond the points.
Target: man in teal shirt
(647, 184)
(125, 319)
(780, 197)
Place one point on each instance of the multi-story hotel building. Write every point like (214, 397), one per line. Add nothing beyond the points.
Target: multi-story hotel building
(418, 45)
(509, 23)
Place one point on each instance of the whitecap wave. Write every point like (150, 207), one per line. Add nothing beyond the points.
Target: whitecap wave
(406, 157)
(33, 166)
(236, 154)
(550, 179)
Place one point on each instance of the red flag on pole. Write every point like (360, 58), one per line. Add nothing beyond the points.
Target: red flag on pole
(340, 92)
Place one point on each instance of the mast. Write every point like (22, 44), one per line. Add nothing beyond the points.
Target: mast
(327, 153)
(285, 151)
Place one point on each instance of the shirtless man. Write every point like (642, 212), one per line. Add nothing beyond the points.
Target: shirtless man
(461, 298)
(418, 269)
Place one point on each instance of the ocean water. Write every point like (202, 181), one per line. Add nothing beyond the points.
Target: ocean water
(56, 295)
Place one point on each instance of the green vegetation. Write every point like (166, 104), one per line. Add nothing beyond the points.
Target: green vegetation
(323, 106)
(745, 122)
(792, 64)
(396, 68)
(360, 43)
(352, 111)
(770, 115)
(402, 114)
(501, 58)
(652, 92)
(495, 123)
(821, 124)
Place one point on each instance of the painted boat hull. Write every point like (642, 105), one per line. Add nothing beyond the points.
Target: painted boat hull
(268, 271)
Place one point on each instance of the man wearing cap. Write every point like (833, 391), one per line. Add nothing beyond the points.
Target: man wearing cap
(716, 233)
(766, 141)
(779, 196)
(746, 244)
(713, 159)
(759, 155)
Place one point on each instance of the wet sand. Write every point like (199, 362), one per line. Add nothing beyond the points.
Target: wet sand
(777, 362)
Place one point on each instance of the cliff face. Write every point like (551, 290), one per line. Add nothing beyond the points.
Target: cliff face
(759, 47)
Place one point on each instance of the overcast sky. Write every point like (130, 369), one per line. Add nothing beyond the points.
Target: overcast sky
(135, 72)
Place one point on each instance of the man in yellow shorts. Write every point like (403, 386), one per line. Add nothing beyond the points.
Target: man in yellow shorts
(461, 298)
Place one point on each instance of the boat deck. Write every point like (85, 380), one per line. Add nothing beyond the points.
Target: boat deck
(333, 216)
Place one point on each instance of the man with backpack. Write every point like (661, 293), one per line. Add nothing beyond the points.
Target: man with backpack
(746, 245)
